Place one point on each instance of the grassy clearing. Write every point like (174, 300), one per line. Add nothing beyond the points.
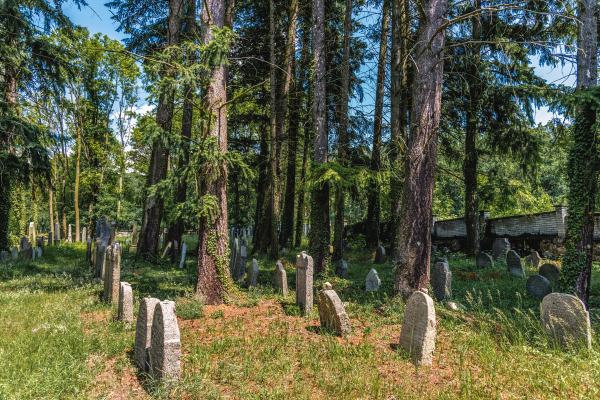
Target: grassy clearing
(59, 340)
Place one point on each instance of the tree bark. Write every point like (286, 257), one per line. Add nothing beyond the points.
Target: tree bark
(414, 242)
(213, 243)
(273, 206)
(77, 174)
(263, 160)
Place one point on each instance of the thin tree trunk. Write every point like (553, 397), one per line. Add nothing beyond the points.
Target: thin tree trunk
(263, 160)
(51, 208)
(414, 242)
(373, 210)
(77, 174)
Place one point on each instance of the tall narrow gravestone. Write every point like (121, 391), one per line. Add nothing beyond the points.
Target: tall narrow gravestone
(241, 267)
(183, 250)
(566, 321)
(417, 335)
(100, 252)
(112, 273)
(97, 243)
(373, 281)
(331, 311)
(112, 236)
(304, 281)
(134, 240)
(341, 269)
(88, 249)
(23, 243)
(165, 348)
(143, 329)
(233, 259)
(56, 232)
(280, 280)
(125, 302)
(500, 248)
(84, 235)
(441, 281)
(484, 261)
(252, 277)
(514, 264)
(31, 231)
(15, 253)
(69, 234)
(103, 230)
(167, 250)
(379, 255)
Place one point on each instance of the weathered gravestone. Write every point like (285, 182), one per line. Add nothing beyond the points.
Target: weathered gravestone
(39, 252)
(373, 281)
(233, 259)
(441, 281)
(28, 253)
(97, 243)
(282, 254)
(331, 311)
(252, 277)
(165, 348)
(550, 272)
(533, 259)
(242, 260)
(183, 250)
(134, 239)
(304, 281)
(31, 231)
(538, 286)
(112, 275)
(440, 259)
(125, 302)
(113, 233)
(56, 231)
(103, 230)
(100, 253)
(379, 255)
(84, 235)
(417, 335)
(88, 249)
(33, 252)
(484, 260)
(15, 253)
(280, 279)
(23, 243)
(69, 234)
(514, 264)
(143, 329)
(167, 250)
(566, 321)
(3, 256)
(500, 248)
(41, 244)
(341, 269)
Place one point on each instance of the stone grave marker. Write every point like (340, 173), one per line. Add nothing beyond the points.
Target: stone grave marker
(484, 260)
(103, 230)
(282, 254)
(97, 243)
(69, 234)
(33, 252)
(23, 243)
(28, 253)
(538, 286)
(514, 264)
(143, 329)
(3, 256)
(566, 321)
(39, 252)
(441, 281)
(440, 259)
(88, 249)
(551, 272)
(167, 250)
(84, 235)
(332, 313)
(113, 233)
(280, 279)
(100, 253)
(379, 255)
(242, 260)
(15, 253)
(304, 281)
(341, 269)
(373, 281)
(56, 231)
(183, 250)
(165, 348)
(41, 243)
(134, 239)
(417, 335)
(31, 231)
(233, 258)
(125, 302)
(252, 277)
(112, 275)
(500, 248)
(533, 259)
(175, 248)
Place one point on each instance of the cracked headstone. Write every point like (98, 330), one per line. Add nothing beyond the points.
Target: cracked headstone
(143, 329)
(538, 286)
(566, 321)
(417, 335)
(165, 348)
(304, 282)
(373, 281)
(280, 279)
(514, 264)
(332, 313)
(441, 281)
(125, 302)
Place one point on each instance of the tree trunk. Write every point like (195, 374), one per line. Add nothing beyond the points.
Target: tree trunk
(319, 236)
(213, 244)
(373, 210)
(414, 242)
(583, 164)
(77, 174)
(263, 160)
(51, 209)
(153, 209)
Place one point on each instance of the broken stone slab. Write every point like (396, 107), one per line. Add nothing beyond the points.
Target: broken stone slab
(280, 280)
(566, 321)
(514, 264)
(165, 348)
(484, 260)
(441, 281)
(373, 281)
(143, 330)
(332, 313)
(538, 286)
(341, 269)
(533, 259)
(125, 302)
(418, 333)
(304, 282)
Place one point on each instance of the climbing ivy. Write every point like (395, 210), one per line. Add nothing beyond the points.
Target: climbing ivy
(221, 262)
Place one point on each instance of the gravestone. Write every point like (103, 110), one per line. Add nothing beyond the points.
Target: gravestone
(56, 231)
(100, 253)
(84, 235)
(167, 250)
(484, 260)
(417, 335)
(112, 274)
(331, 311)
(69, 234)
(241, 267)
(233, 259)
(550, 272)
(175, 248)
(341, 269)
(125, 302)
(282, 254)
(28, 253)
(379, 255)
(39, 252)
(252, 277)
(373, 281)
(143, 329)
(566, 321)
(97, 243)
(280, 279)
(243, 242)
(165, 348)
(31, 231)
(134, 239)
(3, 256)
(533, 259)
(514, 264)
(41, 243)
(23, 243)
(500, 248)
(440, 259)
(183, 250)
(15, 253)
(538, 286)
(441, 281)
(103, 230)
(88, 249)
(304, 281)
(113, 233)
(33, 252)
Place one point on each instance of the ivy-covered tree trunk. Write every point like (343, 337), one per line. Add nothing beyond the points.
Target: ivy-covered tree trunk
(414, 242)
(583, 164)
(214, 282)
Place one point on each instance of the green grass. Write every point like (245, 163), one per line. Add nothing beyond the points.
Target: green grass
(59, 340)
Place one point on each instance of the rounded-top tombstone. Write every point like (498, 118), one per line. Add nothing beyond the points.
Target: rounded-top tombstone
(551, 272)
(143, 331)
(566, 321)
(165, 350)
(417, 335)
(379, 255)
(514, 264)
(441, 281)
(538, 286)
(332, 313)
(484, 260)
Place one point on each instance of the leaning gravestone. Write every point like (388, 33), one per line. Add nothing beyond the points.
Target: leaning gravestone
(304, 281)
(441, 281)
(125, 302)
(233, 259)
(417, 336)
(341, 269)
(538, 286)
(15, 253)
(100, 253)
(533, 259)
(550, 272)
(167, 250)
(500, 248)
(252, 277)
(165, 348)
(143, 329)
(183, 250)
(112, 273)
(373, 280)
(331, 311)
(3, 256)
(242, 261)
(566, 321)
(484, 260)
(280, 279)
(514, 264)
(379, 255)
